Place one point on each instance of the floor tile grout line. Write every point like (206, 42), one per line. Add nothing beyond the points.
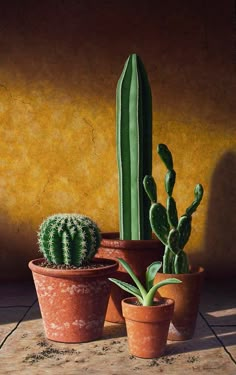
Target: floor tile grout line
(217, 337)
(223, 325)
(17, 325)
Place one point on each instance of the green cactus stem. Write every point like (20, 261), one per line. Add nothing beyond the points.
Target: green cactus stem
(173, 232)
(70, 239)
(134, 148)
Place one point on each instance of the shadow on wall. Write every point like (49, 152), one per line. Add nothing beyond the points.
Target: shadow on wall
(18, 247)
(220, 234)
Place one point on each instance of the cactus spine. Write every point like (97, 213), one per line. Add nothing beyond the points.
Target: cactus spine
(69, 239)
(134, 148)
(173, 232)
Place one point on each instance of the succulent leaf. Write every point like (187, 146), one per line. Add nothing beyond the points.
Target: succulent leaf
(151, 273)
(128, 288)
(153, 290)
(144, 296)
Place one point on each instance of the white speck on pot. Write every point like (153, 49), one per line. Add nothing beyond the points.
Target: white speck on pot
(79, 323)
(55, 326)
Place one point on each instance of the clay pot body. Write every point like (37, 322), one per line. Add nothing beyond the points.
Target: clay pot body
(147, 326)
(139, 254)
(187, 297)
(73, 303)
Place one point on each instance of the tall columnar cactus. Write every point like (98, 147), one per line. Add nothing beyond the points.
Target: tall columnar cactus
(134, 148)
(69, 239)
(174, 233)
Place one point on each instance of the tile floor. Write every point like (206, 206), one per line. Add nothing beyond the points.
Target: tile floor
(25, 350)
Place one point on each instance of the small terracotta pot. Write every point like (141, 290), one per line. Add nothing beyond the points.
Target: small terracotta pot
(73, 303)
(147, 326)
(187, 297)
(139, 254)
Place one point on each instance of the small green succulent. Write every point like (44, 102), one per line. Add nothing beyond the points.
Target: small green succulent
(145, 295)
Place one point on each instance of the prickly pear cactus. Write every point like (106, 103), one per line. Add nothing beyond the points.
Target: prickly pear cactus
(134, 148)
(174, 233)
(70, 239)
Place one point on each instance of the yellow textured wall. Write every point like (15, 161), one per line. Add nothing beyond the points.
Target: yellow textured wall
(60, 61)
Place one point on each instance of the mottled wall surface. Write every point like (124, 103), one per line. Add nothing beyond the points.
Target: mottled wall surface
(59, 65)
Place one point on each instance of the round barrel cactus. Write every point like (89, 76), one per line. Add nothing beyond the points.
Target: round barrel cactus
(70, 239)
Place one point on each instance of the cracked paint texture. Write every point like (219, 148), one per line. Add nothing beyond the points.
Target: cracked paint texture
(58, 75)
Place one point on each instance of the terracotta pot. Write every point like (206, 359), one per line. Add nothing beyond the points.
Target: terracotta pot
(73, 303)
(139, 254)
(187, 298)
(147, 326)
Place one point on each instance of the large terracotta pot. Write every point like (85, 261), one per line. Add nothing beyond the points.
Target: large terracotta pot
(147, 326)
(73, 303)
(139, 254)
(187, 297)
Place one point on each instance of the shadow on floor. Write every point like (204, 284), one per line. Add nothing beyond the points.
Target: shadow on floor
(114, 331)
(199, 343)
(218, 302)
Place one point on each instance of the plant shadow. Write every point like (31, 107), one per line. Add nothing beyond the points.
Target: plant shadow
(220, 236)
(114, 330)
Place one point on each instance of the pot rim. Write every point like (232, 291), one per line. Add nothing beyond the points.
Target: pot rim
(148, 314)
(194, 270)
(112, 240)
(105, 271)
(167, 302)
